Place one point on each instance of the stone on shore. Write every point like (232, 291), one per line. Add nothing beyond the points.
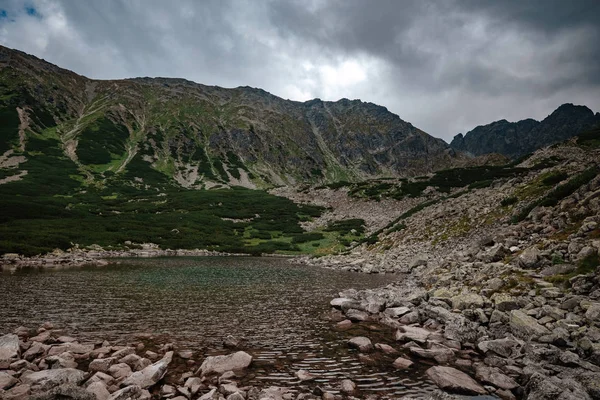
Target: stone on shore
(99, 390)
(50, 378)
(402, 363)
(150, 375)
(454, 381)
(347, 386)
(7, 381)
(231, 362)
(363, 344)
(127, 393)
(412, 333)
(66, 391)
(495, 377)
(304, 375)
(386, 348)
(9, 350)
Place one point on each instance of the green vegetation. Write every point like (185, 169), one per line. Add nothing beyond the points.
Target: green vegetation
(344, 227)
(558, 193)
(586, 266)
(101, 142)
(554, 178)
(50, 209)
(444, 181)
(509, 201)
(9, 128)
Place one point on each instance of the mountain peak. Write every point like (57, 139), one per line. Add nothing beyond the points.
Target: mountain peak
(514, 139)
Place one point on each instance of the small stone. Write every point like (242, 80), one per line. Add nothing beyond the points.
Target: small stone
(385, 348)
(347, 386)
(304, 375)
(402, 363)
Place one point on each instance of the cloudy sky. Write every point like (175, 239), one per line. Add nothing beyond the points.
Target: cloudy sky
(446, 66)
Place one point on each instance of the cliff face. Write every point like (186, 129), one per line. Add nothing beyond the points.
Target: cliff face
(204, 135)
(515, 139)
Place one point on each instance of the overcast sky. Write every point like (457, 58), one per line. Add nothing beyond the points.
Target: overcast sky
(445, 66)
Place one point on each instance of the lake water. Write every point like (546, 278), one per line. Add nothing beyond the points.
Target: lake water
(281, 309)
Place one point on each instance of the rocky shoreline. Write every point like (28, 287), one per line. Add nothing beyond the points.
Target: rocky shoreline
(100, 257)
(504, 308)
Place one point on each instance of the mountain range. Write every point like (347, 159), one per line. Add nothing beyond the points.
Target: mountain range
(121, 163)
(516, 139)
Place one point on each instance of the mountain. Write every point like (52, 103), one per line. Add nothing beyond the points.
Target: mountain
(202, 136)
(515, 139)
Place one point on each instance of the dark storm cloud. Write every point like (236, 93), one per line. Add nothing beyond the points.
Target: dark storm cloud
(445, 66)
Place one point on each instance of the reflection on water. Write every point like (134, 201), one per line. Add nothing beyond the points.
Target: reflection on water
(277, 306)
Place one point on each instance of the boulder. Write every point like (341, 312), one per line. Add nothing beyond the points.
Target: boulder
(7, 381)
(272, 393)
(101, 364)
(593, 312)
(494, 376)
(454, 381)
(529, 257)
(50, 378)
(361, 343)
(74, 348)
(65, 392)
(120, 371)
(9, 350)
(150, 375)
(35, 350)
(402, 363)
(439, 353)
(504, 302)
(505, 347)
(396, 312)
(99, 390)
(412, 333)
(127, 393)
(525, 327)
(467, 301)
(19, 392)
(231, 362)
(355, 315)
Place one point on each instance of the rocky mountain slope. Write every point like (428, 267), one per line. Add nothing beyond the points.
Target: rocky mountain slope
(202, 136)
(502, 279)
(515, 139)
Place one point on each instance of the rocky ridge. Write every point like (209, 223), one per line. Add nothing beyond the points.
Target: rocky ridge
(516, 139)
(201, 136)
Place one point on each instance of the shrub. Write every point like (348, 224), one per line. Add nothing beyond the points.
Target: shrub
(509, 201)
(555, 178)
